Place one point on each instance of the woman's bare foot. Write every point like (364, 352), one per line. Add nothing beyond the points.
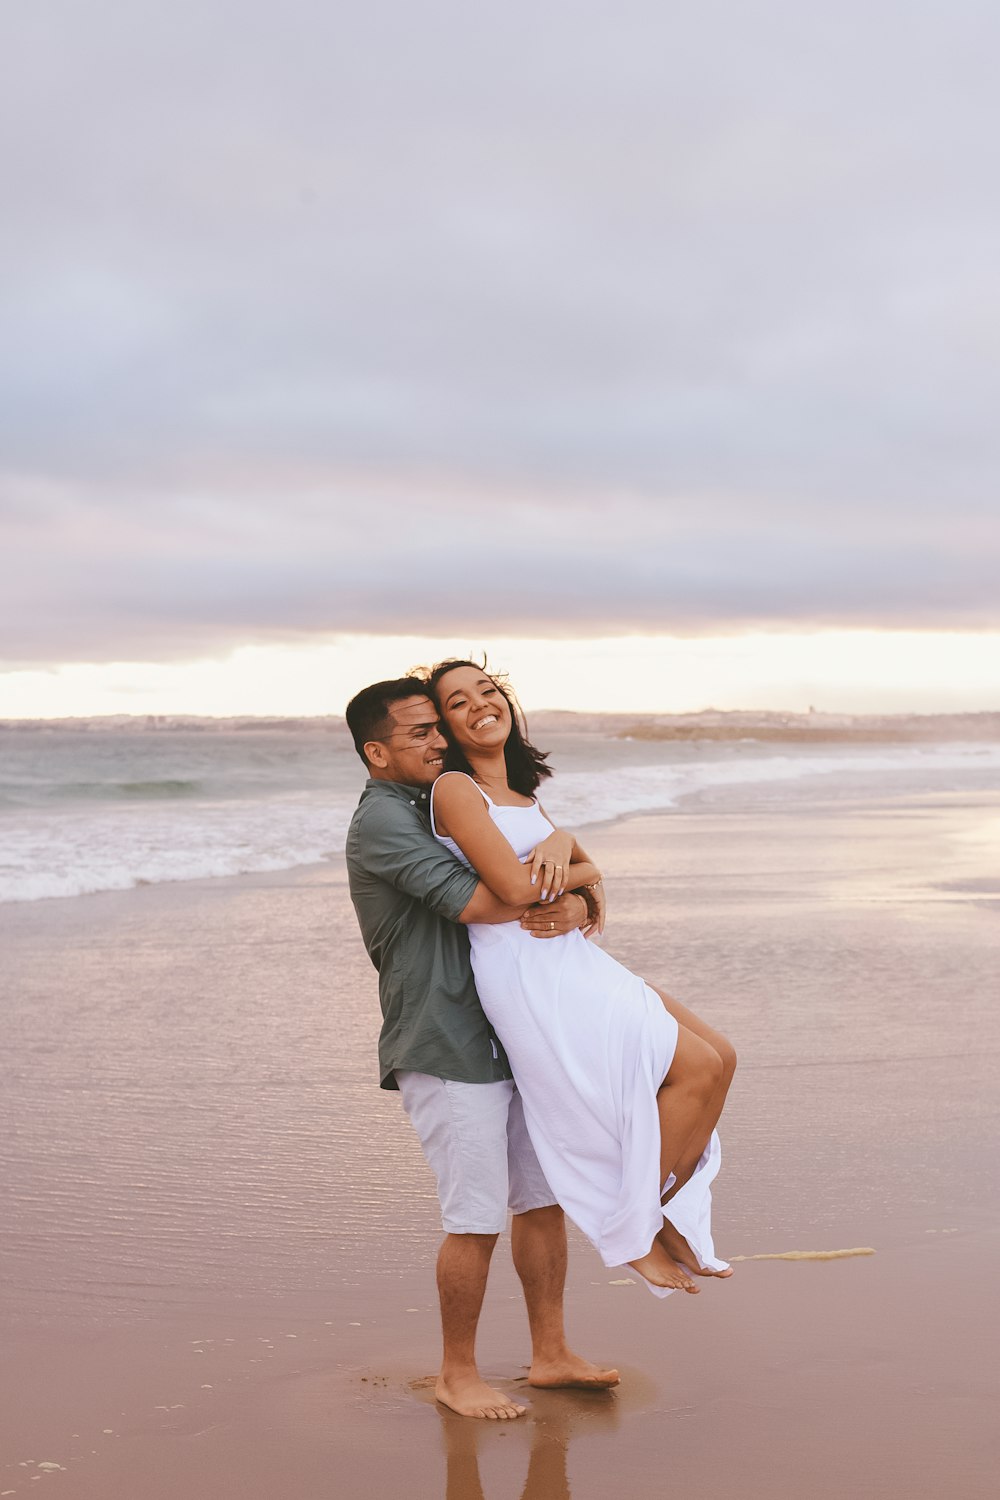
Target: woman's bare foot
(677, 1247)
(658, 1268)
(472, 1397)
(570, 1370)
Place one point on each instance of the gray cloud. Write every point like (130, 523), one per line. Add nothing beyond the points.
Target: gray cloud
(552, 317)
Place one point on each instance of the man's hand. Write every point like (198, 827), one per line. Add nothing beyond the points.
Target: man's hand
(555, 918)
(597, 910)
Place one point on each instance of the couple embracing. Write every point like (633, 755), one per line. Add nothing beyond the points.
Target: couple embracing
(541, 1076)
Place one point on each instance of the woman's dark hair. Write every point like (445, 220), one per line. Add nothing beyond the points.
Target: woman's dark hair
(525, 765)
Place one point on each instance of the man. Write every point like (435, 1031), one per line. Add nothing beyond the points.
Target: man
(412, 898)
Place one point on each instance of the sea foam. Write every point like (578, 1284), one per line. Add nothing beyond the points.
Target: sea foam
(156, 832)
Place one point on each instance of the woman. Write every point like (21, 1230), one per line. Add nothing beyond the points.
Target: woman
(621, 1086)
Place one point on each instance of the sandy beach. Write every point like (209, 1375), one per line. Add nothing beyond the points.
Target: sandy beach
(219, 1233)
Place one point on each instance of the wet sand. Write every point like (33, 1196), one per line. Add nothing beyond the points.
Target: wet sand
(219, 1235)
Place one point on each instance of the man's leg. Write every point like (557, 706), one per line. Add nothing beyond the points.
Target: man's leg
(462, 1268)
(538, 1245)
(463, 1130)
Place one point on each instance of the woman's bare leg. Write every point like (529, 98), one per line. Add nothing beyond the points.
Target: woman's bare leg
(684, 1099)
(702, 1133)
(670, 1238)
(681, 1100)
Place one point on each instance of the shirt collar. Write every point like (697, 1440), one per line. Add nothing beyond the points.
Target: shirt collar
(417, 796)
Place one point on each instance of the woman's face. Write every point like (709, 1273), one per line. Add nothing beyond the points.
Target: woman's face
(473, 709)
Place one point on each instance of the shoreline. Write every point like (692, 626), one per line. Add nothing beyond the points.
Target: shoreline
(697, 801)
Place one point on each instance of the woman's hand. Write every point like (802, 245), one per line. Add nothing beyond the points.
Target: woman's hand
(548, 862)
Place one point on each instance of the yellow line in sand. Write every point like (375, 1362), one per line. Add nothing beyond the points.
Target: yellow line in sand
(809, 1254)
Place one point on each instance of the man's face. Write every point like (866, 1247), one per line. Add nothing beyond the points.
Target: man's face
(413, 750)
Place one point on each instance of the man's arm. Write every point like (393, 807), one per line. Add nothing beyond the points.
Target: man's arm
(596, 899)
(541, 918)
(489, 909)
(395, 846)
(391, 843)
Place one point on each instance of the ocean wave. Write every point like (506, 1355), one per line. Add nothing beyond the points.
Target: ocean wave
(152, 839)
(581, 798)
(132, 791)
(28, 793)
(172, 787)
(94, 880)
(87, 852)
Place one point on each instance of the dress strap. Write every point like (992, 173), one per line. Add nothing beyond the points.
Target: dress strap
(487, 800)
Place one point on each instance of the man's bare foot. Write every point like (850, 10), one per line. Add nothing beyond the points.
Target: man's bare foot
(472, 1397)
(680, 1251)
(658, 1268)
(570, 1370)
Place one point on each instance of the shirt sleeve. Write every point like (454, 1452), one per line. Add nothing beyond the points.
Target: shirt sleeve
(395, 846)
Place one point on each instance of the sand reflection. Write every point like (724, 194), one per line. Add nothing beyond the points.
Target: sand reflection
(555, 1417)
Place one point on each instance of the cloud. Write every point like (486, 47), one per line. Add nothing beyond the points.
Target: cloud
(161, 578)
(545, 317)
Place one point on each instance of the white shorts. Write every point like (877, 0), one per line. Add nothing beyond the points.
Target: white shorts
(477, 1144)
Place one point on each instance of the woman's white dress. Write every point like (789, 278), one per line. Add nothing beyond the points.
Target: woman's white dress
(589, 1045)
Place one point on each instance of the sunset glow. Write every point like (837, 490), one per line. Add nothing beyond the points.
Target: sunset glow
(837, 671)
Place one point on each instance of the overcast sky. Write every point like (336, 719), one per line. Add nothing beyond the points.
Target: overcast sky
(548, 318)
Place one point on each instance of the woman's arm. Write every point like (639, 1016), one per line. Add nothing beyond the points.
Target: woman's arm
(593, 894)
(574, 851)
(558, 852)
(460, 809)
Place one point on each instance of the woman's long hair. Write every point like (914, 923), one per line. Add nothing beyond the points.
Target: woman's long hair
(525, 765)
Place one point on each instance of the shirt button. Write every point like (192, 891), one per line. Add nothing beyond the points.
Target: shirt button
(412, 803)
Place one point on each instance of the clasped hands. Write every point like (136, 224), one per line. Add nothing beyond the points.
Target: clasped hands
(558, 911)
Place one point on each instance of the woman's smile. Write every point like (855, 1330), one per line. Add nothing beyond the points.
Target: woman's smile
(474, 707)
(481, 723)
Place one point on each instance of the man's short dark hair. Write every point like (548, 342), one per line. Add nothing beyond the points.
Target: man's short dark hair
(369, 713)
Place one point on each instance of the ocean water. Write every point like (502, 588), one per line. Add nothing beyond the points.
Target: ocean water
(86, 810)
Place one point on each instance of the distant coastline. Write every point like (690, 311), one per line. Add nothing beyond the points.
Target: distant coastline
(821, 728)
(710, 724)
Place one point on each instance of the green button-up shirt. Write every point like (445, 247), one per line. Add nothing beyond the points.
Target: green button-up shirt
(409, 892)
